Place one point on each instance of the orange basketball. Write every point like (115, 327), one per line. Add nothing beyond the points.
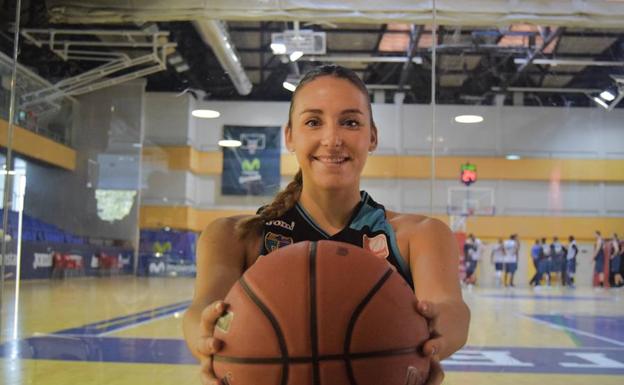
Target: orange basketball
(320, 313)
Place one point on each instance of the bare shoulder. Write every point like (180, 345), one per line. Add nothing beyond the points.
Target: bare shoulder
(220, 238)
(418, 225)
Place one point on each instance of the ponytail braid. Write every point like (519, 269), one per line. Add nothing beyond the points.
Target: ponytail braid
(283, 202)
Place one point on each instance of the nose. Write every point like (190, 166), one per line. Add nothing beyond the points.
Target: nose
(331, 136)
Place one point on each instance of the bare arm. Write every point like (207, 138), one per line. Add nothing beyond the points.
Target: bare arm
(434, 261)
(220, 262)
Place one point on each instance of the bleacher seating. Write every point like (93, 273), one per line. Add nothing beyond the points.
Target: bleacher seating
(35, 230)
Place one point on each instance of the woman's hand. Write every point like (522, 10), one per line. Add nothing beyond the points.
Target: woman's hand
(435, 344)
(207, 345)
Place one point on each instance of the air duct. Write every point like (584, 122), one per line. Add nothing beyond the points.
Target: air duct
(214, 33)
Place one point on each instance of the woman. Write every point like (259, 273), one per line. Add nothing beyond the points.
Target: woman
(331, 132)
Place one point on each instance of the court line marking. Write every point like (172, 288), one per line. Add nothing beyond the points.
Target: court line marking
(124, 322)
(135, 324)
(541, 297)
(573, 330)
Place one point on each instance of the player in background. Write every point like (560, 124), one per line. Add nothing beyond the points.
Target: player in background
(497, 257)
(615, 262)
(572, 252)
(511, 248)
(598, 258)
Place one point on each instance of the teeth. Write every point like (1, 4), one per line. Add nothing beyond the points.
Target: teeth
(331, 159)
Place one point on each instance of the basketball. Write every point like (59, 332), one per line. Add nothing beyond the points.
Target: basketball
(322, 313)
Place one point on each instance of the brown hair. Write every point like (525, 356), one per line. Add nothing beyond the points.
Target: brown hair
(287, 198)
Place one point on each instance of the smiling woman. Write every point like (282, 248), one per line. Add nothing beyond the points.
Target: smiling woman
(331, 131)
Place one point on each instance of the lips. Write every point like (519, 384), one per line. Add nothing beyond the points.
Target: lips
(331, 159)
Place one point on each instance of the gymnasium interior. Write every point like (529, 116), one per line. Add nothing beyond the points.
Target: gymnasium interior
(127, 127)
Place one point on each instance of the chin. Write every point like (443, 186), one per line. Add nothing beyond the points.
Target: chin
(335, 182)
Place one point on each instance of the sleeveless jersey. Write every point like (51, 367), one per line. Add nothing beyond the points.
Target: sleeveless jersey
(368, 228)
(509, 246)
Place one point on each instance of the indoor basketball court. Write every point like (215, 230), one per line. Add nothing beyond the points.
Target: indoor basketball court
(126, 129)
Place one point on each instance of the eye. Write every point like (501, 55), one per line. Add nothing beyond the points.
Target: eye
(351, 123)
(313, 122)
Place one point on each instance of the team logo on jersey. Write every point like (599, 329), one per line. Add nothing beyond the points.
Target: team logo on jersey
(377, 244)
(282, 224)
(274, 241)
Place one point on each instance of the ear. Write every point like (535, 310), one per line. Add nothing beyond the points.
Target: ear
(373, 138)
(288, 140)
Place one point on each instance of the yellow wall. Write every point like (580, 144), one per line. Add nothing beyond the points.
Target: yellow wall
(38, 147)
(529, 228)
(418, 167)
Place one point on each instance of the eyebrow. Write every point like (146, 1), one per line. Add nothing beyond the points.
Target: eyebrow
(347, 111)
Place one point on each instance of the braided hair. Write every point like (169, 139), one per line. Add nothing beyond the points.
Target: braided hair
(288, 197)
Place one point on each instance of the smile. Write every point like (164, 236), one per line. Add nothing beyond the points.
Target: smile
(331, 159)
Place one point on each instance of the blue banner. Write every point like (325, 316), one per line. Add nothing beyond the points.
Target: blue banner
(253, 168)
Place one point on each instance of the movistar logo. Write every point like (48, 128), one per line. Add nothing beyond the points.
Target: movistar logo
(161, 248)
(250, 165)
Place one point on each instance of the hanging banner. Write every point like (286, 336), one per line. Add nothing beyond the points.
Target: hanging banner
(251, 162)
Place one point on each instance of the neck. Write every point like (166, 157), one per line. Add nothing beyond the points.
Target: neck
(331, 210)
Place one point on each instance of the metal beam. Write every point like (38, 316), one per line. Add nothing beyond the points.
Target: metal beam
(551, 37)
(362, 59)
(411, 51)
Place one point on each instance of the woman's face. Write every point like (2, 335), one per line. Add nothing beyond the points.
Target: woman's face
(331, 133)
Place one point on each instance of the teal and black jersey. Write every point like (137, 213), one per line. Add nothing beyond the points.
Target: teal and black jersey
(368, 228)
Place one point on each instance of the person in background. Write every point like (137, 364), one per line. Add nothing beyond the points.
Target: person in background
(497, 257)
(615, 262)
(598, 258)
(511, 248)
(572, 252)
(472, 253)
(557, 257)
(546, 261)
(536, 252)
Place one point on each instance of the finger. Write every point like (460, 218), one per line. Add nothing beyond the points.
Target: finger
(209, 317)
(436, 375)
(434, 347)
(207, 373)
(414, 376)
(427, 309)
(209, 345)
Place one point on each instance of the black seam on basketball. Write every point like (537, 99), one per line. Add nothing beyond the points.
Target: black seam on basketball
(354, 317)
(307, 360)
(278, 331)
(316, 379)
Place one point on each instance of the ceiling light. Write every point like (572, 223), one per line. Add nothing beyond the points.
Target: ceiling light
(296, 55)
(289, 86)
(230, 143)
(512, 157)
(607, 95)
(182, 67)
(278, 48)
(601, 102)
(175, 59)
(469, 119)
(206, 114)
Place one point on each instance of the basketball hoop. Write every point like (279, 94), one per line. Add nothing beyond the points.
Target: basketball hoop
(458, 223)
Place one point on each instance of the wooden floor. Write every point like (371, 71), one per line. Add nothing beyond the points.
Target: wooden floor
(127, 330)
